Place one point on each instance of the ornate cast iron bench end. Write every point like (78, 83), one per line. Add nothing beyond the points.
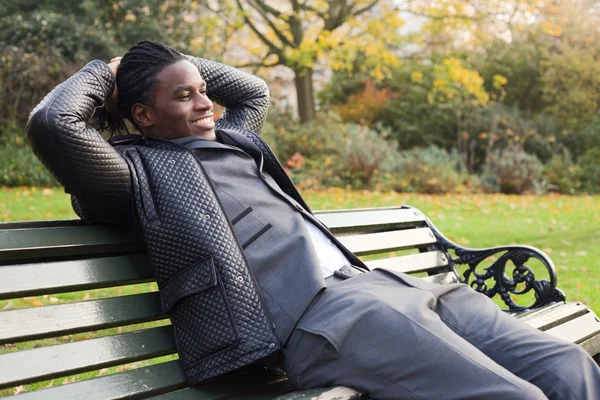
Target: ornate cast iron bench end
(494, 279)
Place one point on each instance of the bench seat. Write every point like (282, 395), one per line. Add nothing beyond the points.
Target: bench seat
(115, 333)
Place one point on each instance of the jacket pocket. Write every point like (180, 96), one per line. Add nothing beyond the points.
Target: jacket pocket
(200, 313)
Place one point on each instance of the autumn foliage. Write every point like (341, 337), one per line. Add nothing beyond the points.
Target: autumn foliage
(366, 106)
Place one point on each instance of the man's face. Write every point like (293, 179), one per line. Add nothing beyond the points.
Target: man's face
(181, 106)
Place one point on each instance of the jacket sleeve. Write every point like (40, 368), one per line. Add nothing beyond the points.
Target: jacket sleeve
(89, 168)
(245, 96)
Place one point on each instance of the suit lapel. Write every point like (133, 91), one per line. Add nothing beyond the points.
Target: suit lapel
(235, 139)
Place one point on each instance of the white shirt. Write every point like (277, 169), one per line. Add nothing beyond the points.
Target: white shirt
(330, 257)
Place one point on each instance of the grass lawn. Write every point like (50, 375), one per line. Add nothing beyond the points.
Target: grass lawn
(566, 228)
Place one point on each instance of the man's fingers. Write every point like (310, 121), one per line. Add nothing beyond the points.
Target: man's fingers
(115, 59)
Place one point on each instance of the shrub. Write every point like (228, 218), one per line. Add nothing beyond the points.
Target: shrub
(430, 170)
(366, 155)
(328, 152)
(366, 106)
(590, 170)
(561, 174)
(512, 171)
(314, 140)
(18, 165)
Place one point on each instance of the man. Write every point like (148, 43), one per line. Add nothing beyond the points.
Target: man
(243, 267)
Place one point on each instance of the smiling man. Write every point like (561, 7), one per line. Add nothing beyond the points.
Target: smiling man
(181, 106)
(247, 272)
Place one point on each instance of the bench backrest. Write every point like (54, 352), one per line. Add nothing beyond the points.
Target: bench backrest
(120, 322)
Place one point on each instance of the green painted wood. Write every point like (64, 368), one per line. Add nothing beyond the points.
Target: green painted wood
(373, 243)
(66, 241)
(56, 320)
(73, 275)
(42, 224)
(370, 219)
(413, 263)
(139, 383)
(43, 363)
(230, 389)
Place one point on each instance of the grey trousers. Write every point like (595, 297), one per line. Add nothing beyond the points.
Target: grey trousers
(399, 337)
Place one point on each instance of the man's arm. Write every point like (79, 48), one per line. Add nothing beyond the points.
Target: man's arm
(245, 96)
(87, 166)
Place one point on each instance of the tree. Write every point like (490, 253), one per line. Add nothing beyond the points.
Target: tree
(570, 69)
(463, 90)
(471, 23)
(300, 34)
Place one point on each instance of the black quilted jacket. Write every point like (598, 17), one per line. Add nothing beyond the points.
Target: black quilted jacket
(205, 283)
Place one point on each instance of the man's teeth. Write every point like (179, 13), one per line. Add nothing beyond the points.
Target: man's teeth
(203, 120)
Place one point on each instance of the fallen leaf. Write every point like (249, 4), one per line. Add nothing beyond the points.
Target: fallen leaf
(8, 305)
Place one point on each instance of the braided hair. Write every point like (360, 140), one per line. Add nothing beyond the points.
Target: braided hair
(136, 82)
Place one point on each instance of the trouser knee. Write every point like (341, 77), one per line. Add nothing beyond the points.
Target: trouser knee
(577, 372)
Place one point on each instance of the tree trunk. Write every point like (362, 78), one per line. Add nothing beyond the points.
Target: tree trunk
(305, 95)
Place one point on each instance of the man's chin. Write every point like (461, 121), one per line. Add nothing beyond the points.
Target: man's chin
(205, 133)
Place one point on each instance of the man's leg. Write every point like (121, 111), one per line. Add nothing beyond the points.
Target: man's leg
(378, 334)
(561, 369)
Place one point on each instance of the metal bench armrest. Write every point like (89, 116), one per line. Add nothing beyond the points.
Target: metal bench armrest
(495, 279)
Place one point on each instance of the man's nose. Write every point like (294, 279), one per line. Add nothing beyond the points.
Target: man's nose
(203, 102)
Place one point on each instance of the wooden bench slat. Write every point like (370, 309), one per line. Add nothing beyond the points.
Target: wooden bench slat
(442, 279)
(579, 329)
(137, 383)
(372, 243)
(527, 313)
(367, 220)
(55, 320)
(35, 243)
(74, 275)
(60, 223)
(230, 389)
(556, 314)
(411, 263)
(34, 365)
(592, 346)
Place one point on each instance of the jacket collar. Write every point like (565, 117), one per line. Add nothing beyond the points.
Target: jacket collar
(228, 140)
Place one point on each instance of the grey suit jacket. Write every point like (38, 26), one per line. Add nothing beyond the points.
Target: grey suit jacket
(268, 224)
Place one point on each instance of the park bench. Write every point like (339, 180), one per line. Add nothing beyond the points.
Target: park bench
(49, 258)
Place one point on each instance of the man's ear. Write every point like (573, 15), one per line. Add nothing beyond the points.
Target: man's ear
(143, 115)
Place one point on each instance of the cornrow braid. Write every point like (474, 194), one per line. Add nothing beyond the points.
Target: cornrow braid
(136, 81)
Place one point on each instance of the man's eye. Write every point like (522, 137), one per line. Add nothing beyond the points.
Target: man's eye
(184, 96)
